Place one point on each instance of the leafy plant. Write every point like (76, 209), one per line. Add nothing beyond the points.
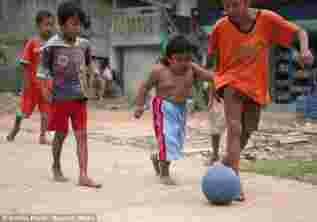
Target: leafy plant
(200, 96)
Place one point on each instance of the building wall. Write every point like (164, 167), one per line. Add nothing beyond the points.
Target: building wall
(134, 46)
(184, 7)
(18, 15)
(133, 54)
(101, 19)
(137, 63)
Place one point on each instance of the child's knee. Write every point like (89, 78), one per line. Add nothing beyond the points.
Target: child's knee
(235, 127)
(61, 136)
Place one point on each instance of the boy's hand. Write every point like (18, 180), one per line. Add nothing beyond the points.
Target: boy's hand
(47, 95)
(138, 112)
(46, 90)
(307, 57)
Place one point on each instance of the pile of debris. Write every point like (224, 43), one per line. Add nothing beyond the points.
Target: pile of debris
(269, 143)
(272, 144)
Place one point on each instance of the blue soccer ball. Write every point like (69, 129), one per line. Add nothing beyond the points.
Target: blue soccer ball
(221, 185)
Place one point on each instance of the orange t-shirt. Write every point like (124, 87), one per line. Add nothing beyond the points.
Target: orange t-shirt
(243, 58)
(31, 59)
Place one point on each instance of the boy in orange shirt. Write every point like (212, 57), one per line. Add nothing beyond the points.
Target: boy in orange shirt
(241, 41)
(30, 59)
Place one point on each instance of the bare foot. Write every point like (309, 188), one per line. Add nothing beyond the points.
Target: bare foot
(87, 182)
(155, 163)
(58, 176)
(10, 138)
(167, 180)
(44, 141)
(241, 197)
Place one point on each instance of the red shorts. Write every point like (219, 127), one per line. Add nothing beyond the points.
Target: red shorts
(31, 98)
(62, 111)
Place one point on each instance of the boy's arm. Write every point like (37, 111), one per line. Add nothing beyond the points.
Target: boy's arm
(284, 32)
(205, 74)
(306, 55)
(25, 61)
(143, 91)
(202, 73)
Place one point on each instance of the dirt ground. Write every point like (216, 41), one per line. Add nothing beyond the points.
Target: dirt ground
(120, 160)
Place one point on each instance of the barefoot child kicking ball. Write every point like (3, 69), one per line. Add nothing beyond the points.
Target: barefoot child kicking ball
(32, 95)
(64, 57)
(172, 79)
(241, 41)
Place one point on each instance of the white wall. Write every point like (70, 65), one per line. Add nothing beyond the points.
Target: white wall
(184, 7)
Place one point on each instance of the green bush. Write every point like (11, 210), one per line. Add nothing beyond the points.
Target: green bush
(200, 96)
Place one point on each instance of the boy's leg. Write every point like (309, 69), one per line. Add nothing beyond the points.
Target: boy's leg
(217, 128)
(165, 176)
(43, 132)
(215, 143)
(79, 123)
(101, 90)
(156, 163)
(170, 137)
(57, 146)
(16, 127)
(59, 124)
(175, 131)
(45, 109)
(250, 121)
(157, 125)
(233, 105)
(28, 103)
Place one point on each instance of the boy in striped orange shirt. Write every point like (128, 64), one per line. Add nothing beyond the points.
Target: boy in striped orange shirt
(241, 41)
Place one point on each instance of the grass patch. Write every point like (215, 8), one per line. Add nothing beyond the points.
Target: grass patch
(281, 168)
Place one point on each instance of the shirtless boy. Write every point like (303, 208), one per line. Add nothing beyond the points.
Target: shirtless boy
(172, 79)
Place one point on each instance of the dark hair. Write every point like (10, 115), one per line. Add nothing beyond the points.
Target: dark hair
(178, 45)
(69, 9)
(40, 15)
